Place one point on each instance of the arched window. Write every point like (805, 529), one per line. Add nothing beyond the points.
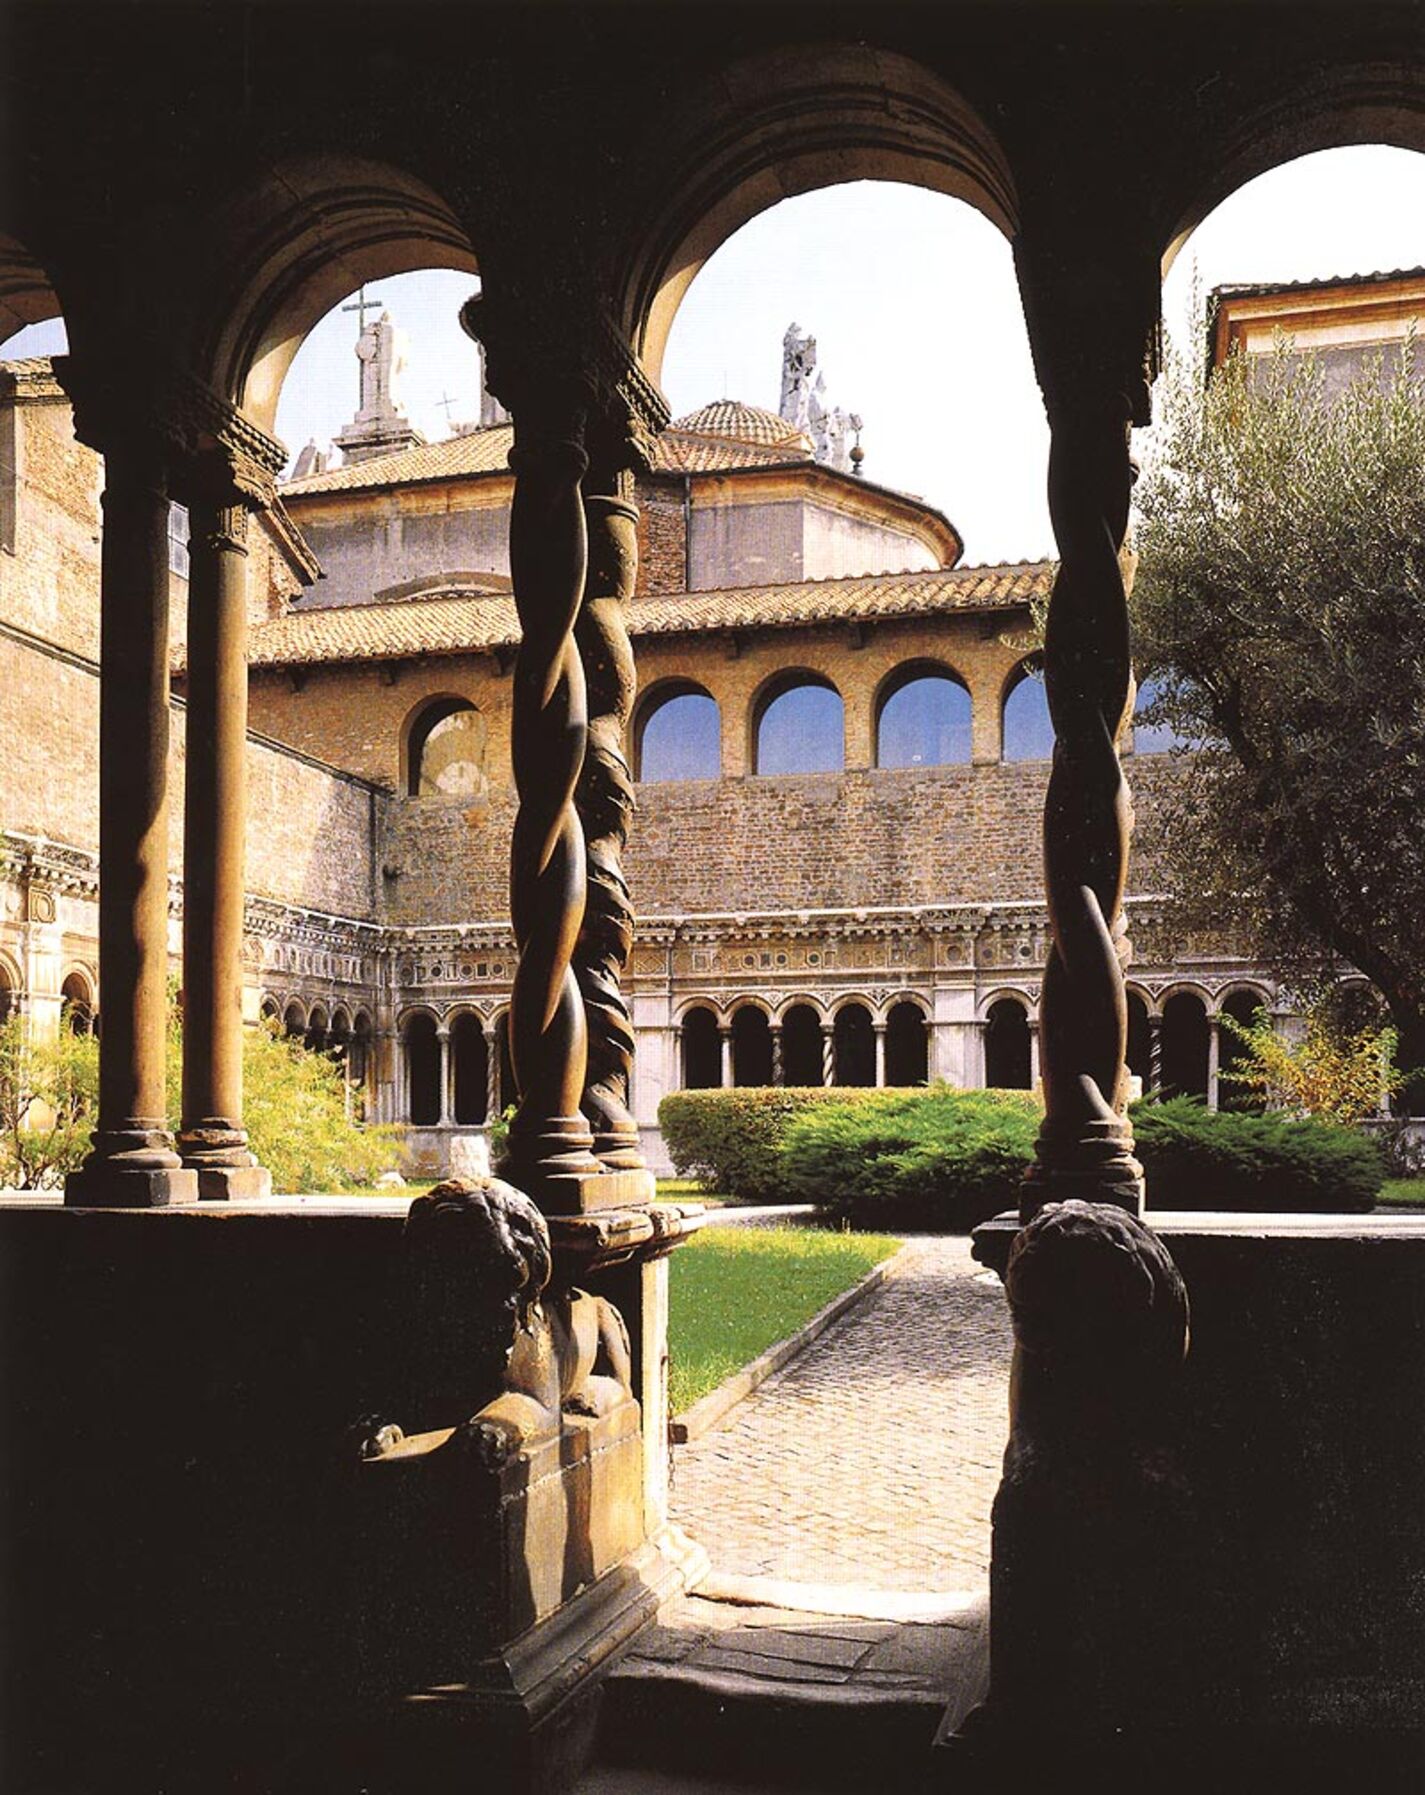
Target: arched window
(1185, 1046)
(801, 727)
(294, 1021)
(472, 1066)
(7, 995)
(924, 720)
(702, 1051)
(76, 1005)
(679, 735)
(1140, 1042)
(801, 1046)
(316, 1035)
(271, 1010)
(907, 1045)
(423, 1070)
(1154, 738)
(339, 1038)
(751, 1046)
(1007, 1063)
(854, 1046)
(1028, 732)
(446, 750)
(1245, 1007)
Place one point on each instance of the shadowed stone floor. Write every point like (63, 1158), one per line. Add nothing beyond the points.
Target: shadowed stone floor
(874, 1457)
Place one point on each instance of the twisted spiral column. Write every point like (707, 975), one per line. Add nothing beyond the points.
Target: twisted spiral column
(1085, 1146)
(550, 1143)
(604, 799)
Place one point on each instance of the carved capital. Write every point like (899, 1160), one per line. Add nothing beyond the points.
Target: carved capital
(562, 363)
(1095, 325)
(206, 445)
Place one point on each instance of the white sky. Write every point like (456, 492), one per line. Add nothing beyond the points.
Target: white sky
(912, 301)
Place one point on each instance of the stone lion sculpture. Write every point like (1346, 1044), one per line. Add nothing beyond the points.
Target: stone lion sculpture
(494, 1356)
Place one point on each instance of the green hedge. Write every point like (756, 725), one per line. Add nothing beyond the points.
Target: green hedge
(942, 1158)
(1193, 1159)
(938, 1158)
(728, 1140)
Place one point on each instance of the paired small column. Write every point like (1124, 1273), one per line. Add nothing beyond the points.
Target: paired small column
(492, 1071)
(879, 1028)
(828, 1053)
(132, 1162)
(725, 1037)
(1155, 1053)
(1091, 355)
(604, 798)
(779, 1070)
(1214, 1060)
(212, 1139)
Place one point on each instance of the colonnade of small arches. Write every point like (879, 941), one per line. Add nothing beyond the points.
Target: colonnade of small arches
(78, 1009)
(801, 1041)
(923, 716)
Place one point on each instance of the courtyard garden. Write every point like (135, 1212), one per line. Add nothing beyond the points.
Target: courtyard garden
(733, 1292)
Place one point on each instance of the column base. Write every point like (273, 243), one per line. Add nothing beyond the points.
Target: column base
(232, 1184)
(582, 1193)
(1088, 1161)
(112, 1185)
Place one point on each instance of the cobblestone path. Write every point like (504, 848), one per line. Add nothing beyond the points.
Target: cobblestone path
(874, 1457)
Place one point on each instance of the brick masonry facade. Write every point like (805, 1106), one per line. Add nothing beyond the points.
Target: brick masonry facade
(871, 885)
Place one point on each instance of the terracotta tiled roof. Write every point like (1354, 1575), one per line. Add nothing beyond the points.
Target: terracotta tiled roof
(694, 445)
(736, 422)
(457, 623)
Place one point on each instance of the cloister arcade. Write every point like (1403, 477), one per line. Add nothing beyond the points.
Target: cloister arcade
(602, 154)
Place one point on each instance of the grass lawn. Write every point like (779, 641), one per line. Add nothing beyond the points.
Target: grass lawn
(733, 1292)
(1402, 1193)
(687, 1190)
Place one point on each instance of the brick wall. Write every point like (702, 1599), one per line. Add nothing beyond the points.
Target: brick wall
(49, 518)
(662, 536)
(311, 834)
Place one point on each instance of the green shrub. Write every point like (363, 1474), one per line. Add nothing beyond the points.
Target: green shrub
(1194, 1159)
(938, 1158)
(728, 1140)
(48, 1096)
(295, 1112)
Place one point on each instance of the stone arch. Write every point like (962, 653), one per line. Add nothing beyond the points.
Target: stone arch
(908, 1041)
(788, 122)
(421, 1047)
(281, 252)
(27, 293)
(1026, 728)
(751, 1044)
(1242, 1002)
(697, 753)
(76, 994)
(317, 1028)
(1008, 1056)
(1323, 108)
(270, 1009)
(1186, 1038)
(936, 731)
(294, 1019)
(470, 1068)
(853, 1044)
(776, 736)
(803, 1061)
(701, 1047)
(11, 985)
(462, 773)
(1139, 1053)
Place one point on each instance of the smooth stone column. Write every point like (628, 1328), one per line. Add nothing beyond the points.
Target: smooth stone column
(879, 1029)
(725, 1035)
(442, 1035)
(1214, 1060)
(212, 1140)
(132, 1163)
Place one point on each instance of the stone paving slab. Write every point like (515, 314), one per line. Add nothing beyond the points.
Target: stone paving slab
(873, 1458)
